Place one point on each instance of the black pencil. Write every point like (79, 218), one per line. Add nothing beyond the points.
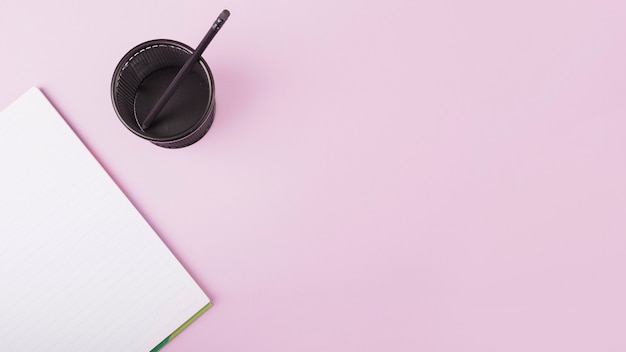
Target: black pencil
(191, 61)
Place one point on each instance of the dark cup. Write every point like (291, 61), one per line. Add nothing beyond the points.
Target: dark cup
(142, 76)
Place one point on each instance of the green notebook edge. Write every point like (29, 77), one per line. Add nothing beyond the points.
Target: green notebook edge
(182, 327)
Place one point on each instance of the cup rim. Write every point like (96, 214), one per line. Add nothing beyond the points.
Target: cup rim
(188, 49)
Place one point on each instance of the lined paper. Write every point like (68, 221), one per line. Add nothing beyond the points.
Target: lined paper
(80, 269)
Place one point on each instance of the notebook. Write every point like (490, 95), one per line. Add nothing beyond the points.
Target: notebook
(80, 269)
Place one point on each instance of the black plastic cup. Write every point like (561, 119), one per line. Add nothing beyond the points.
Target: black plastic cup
(142, 76)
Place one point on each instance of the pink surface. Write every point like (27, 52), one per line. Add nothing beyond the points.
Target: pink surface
(381, 175)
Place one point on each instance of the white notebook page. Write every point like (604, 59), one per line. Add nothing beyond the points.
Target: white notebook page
(80, 269)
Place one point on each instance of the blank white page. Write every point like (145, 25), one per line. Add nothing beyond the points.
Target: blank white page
(80, 269)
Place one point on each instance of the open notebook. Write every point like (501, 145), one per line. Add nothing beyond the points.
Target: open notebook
(80, 269)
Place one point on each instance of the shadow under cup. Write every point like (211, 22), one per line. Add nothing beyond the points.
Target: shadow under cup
(140, 79)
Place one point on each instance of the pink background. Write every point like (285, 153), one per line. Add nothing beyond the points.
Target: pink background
(381, 175)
